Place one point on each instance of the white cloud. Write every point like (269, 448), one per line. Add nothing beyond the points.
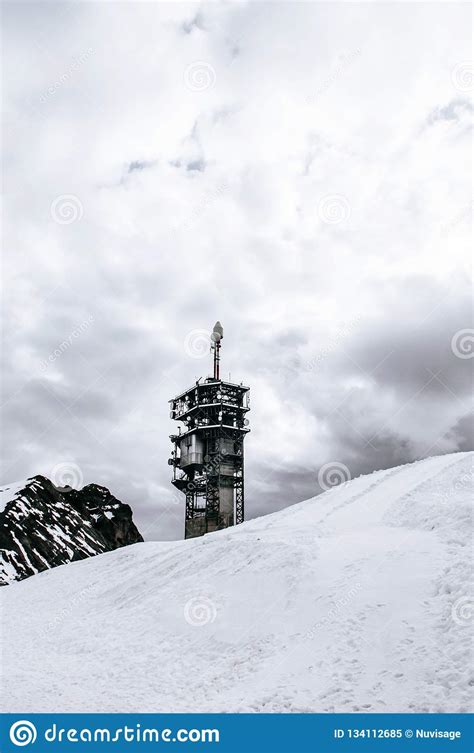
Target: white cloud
(221, 218)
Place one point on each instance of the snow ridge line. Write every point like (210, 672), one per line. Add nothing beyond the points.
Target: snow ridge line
(383, 478)
(391, 474)
(429, 481)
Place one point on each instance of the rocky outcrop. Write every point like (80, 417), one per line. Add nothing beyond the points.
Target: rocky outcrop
(43, 526)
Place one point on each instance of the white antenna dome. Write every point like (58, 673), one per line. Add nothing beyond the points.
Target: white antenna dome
(217, 332)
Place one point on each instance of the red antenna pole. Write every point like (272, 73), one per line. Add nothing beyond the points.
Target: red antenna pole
(217, 347)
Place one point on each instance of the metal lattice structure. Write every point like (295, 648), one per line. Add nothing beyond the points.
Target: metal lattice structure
(208, 453)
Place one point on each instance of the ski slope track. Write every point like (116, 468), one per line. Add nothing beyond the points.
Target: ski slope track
(356, 600)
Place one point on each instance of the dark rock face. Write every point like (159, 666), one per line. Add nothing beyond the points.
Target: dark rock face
(42, 526)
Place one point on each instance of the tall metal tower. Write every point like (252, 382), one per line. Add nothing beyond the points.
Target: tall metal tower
(208, 453)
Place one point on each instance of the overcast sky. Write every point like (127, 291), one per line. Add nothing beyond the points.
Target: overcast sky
(300, 172)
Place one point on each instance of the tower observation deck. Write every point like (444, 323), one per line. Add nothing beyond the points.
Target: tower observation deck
(208, 450)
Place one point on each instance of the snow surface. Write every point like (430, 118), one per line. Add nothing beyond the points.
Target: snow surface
(356, 600)
(8, 493)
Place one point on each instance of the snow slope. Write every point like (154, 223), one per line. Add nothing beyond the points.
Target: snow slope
(356, 600)
(9, 493)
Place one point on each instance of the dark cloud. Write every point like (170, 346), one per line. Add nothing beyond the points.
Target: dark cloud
(463, 433)
(196, 23)
(410, 348)
(198, 164)
(455, 110)
(139, 165)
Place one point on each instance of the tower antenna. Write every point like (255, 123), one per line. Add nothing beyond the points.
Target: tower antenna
(208, 450)
(216, 337)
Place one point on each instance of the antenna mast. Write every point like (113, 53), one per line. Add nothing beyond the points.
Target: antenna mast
(216, 337)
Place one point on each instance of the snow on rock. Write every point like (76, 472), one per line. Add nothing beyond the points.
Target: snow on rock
(9, 492)
(356, 600)
(42, 526)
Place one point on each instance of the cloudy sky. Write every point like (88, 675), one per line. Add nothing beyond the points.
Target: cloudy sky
(300, 171)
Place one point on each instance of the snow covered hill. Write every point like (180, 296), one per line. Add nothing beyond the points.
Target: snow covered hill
(356, 600)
